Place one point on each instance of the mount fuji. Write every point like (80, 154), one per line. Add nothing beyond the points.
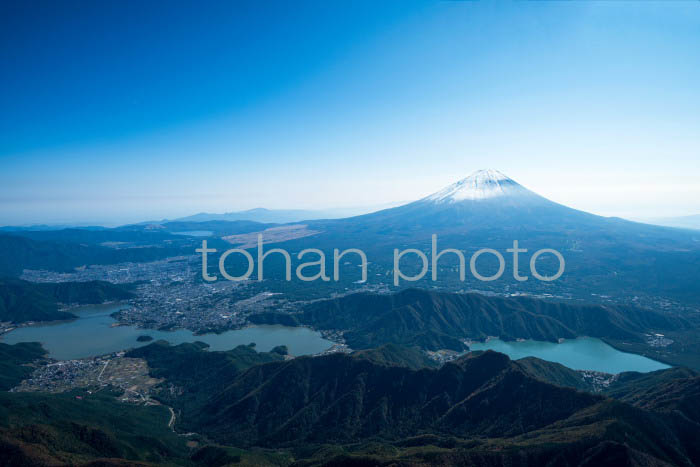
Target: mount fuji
(481, 185)
(484, 200)
(604, 255)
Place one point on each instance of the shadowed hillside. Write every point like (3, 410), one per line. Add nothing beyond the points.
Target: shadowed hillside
(440, 320)
(376, 407)
(22, 301)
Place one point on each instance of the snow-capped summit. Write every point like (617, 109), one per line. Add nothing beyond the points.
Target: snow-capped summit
(482, 184)
(487, 199)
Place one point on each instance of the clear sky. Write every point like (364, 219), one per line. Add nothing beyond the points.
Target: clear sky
(125, 111)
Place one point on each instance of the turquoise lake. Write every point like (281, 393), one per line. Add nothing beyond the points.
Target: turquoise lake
(91, 334)
(584, 353)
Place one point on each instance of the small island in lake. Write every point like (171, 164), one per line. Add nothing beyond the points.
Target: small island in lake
(144, 338)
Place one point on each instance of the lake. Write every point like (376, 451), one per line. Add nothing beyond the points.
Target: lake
(584, 353)
(196, 233)
(91, 334)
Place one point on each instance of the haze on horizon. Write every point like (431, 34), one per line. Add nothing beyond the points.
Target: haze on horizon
(114, 115)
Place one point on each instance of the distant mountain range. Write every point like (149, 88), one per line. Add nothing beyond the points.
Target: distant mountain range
(45, 227)
(263, 215)
(280, 216)
(684, 222)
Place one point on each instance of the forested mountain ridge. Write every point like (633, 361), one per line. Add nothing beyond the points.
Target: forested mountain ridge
(18, 252)
(373, 407)
(22, 301)
(340, 399)
(16, 362)
(441, 320)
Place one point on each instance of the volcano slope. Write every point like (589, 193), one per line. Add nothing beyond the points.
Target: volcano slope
(627, 261)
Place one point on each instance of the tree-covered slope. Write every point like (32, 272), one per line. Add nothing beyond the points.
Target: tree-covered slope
(392, 354)
(91, 292)
(435, 320)
(672, 390)
(555, 373)
(75, 428)
(197, 372)
(483, 409)
(339, 398)
(22, 301)
(376, 407)
(18, 253)
(16, 360)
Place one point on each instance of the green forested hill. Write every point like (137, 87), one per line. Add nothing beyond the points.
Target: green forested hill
(22, 301)
(90, 292)
(368, 409)
(440, 320)
(83, 428)
(672, 390)
(191, 364)
(18, 253)
(340, 399)
(199, 372)
(75, 428)
(15, 362)
(555, 373)
(392, 354)
(373, 407)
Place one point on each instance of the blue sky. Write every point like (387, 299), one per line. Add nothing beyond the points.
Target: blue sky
(119, 112)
